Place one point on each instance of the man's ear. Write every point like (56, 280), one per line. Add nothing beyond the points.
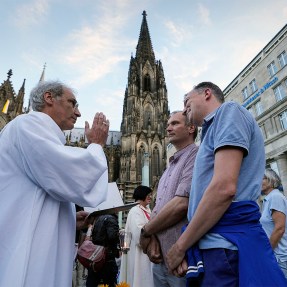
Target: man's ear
(191, 129)
(48, 98)
(207, 94)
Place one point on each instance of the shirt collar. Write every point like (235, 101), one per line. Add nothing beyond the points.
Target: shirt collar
(210, 116)
(207, 121)
(177, 154)
(51, 123)
(269, 194)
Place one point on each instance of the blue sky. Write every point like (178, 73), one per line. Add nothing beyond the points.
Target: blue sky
(88, 43)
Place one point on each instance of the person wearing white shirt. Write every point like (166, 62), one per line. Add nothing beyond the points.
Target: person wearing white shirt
(41, 181)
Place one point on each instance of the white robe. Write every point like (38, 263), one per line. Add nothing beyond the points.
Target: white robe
(41, 179)
(136, 268)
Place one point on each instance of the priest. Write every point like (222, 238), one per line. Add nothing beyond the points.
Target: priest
(41, 181)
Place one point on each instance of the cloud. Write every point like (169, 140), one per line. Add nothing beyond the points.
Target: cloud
(96, 48)
(204, 14)
(29, 14)
(107, 100)
(178, 33)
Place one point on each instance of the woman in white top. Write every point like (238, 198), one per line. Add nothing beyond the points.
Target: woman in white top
(274, 216)
(136, 268)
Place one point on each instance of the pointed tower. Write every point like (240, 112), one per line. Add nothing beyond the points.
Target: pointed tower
(11, 105)
(145, 114)
(20, 100)
(42, 78)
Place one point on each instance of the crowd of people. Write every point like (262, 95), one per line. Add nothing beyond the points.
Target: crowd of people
(206, 228)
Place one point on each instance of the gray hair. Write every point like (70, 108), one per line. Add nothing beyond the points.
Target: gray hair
(187, 122)
(272, 178)
(214, 88)
(37, 101)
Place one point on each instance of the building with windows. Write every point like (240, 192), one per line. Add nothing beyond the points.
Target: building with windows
(261, 87)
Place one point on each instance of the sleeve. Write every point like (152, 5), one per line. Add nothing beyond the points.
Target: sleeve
(136, 221)
(278, 203)
(184, 183)
(66, 173)
(232, 127)
(112, 229)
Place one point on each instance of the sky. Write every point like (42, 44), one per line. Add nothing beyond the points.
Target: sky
(87, 44)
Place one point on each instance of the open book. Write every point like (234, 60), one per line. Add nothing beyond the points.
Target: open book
(113, 204)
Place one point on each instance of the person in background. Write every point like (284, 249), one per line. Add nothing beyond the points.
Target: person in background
(78, 271)
(170, 212)
(105, 233)
(274, 216)
(136, 268)
(223, 213)
(41, 181)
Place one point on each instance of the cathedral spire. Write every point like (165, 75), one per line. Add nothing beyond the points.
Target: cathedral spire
(20, 99)
(144, 50)
(9, 74)
(42, 78)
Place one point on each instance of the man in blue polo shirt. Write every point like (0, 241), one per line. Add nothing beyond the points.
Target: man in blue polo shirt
(223, 214)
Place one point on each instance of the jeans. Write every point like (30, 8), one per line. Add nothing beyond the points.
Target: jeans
(161, 277)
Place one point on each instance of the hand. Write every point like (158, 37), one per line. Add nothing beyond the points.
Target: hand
(144, 242)
(154, 250)
(82, 219)
(181, 270)
(98, 133)
(174, 258)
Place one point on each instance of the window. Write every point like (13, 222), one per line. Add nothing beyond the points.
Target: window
(283, 120)
(251, 111)
(282, 59)
(147, 83)
(245, 93)
(262, 131)
(258, 108)
(155, 162)
(279, 93)
(253, 86)
(272, 69)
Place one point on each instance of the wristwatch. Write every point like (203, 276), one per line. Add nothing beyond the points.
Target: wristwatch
(144, 234)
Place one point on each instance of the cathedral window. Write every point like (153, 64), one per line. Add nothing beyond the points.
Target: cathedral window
(148, 118)
(155, 162)
(141, 152)
(147, 87)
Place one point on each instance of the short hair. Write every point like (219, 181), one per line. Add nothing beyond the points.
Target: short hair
(214, 88)
(187, 122)
(272, 178)
(37, 101)
(141, 192)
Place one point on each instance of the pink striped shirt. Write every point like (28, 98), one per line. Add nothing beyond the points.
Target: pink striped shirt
(175, 181)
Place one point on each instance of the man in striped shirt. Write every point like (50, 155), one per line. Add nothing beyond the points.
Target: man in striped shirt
(170, 212)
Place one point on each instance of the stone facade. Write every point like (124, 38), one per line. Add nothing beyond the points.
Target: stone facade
(11, 104)
(261, 87)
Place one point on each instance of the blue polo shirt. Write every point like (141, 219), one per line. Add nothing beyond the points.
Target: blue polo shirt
(229, 125)
(275, 200)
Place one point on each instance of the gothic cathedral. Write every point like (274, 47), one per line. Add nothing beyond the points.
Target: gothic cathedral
(145, 115)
